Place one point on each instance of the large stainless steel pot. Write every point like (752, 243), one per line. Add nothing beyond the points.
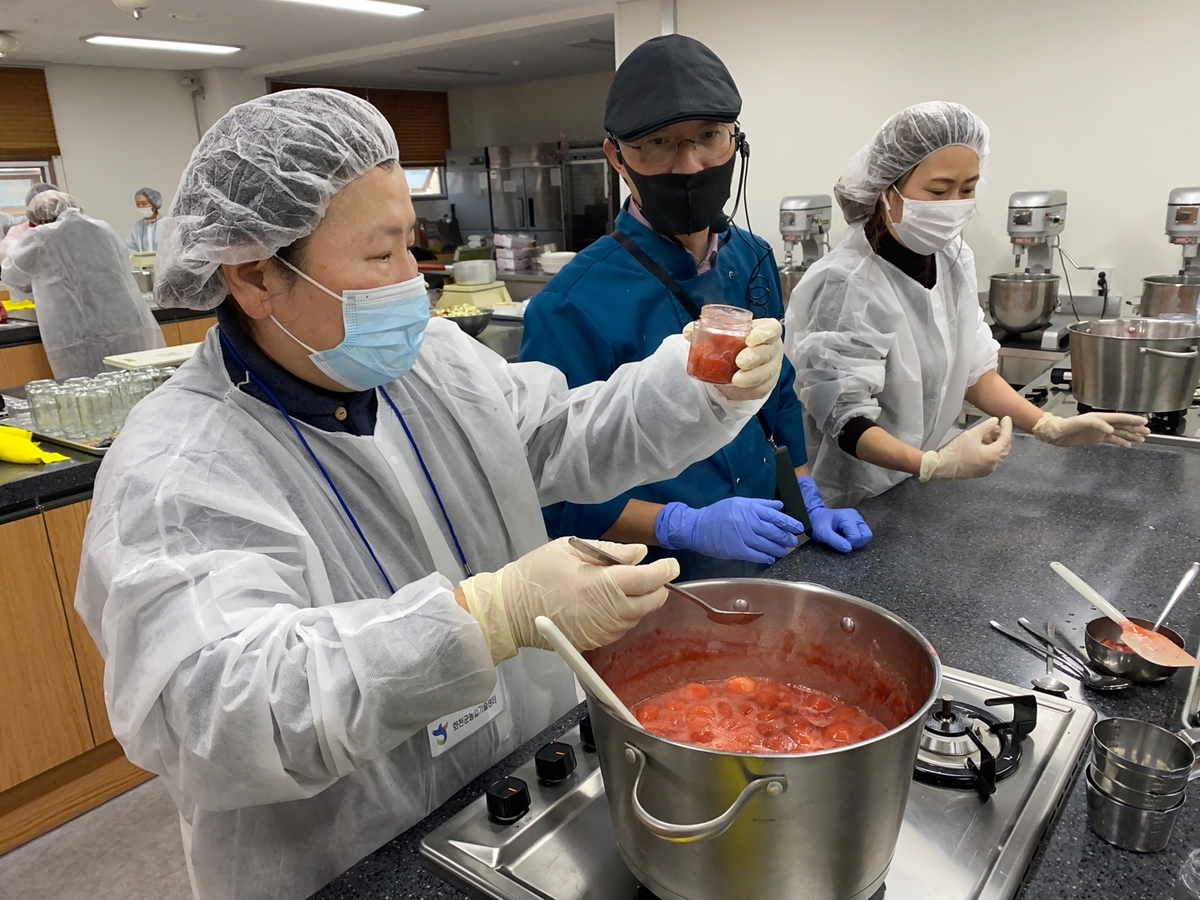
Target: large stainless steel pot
(1172, 294)
(1135, 365)
(1021, 302)
(698, 824)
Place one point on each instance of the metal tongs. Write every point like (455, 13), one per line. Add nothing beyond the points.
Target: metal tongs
(741, 614)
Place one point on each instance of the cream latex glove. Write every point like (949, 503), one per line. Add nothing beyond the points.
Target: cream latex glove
(1119, 429)
(758, 365)
(973, 454)
(592, 604)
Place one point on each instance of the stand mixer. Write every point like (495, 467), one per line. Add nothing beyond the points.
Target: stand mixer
(1024, 300)
(1178, 295)
(805, 221)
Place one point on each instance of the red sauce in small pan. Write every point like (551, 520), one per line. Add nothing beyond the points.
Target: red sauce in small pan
(755, 715)
(1115, 645)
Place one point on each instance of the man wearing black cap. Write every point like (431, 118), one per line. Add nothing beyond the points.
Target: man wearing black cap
(671, 117)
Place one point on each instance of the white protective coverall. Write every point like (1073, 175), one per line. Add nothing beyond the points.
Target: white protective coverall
(88, 304)
(867, 340)
(257, 660)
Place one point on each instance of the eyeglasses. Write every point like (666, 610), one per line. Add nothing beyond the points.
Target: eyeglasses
(710, 145)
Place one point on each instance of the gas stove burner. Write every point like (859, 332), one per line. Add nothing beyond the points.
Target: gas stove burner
(1174, 422)
(964, 746)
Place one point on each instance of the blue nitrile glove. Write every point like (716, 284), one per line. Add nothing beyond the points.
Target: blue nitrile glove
(742, 528)
(842, 529)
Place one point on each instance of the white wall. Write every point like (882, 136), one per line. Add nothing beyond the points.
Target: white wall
(1084, 95)
(225, 89)
(530, 112)
(120, 130)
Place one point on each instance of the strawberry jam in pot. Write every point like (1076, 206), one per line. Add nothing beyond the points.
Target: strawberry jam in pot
(717, 339)
(755, 715)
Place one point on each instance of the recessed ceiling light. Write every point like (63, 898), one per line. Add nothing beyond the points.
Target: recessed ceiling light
(374, 7)
(187, 17)
(111, 40)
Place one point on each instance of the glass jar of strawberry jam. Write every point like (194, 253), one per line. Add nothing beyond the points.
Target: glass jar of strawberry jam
(717, 339)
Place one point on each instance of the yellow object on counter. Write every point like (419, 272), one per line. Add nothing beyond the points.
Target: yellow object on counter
(10, 305)
(17, 446)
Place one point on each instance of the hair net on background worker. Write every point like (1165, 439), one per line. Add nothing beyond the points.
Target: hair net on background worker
(153, 197)
(39, 188)
(899, 146)
(48, 206)
(261, 179)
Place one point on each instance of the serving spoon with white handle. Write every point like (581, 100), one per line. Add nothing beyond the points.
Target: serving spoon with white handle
(1149, 645)
(583, 671)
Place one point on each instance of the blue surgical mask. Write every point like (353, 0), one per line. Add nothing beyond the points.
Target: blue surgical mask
(384, 330)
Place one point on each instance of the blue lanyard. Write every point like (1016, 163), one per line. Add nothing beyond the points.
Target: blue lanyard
(333, 487)
(429, 478)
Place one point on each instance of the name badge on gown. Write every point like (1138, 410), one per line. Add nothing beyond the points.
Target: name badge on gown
(451, 730)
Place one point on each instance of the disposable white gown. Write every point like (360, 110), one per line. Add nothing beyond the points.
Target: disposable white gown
(868, 340)
(255, 657)
(88, 304)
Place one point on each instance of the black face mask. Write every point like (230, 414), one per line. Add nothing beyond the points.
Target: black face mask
(685, 204)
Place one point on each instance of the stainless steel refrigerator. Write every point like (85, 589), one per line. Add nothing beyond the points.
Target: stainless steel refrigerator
(527, 195)
(467, 190)
(591, 196)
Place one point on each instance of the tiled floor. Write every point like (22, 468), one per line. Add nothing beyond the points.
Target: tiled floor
(127, 849)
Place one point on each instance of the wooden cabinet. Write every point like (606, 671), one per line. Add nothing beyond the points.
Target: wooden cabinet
(192, 331)
(64, 526)
(43, 718)
(58, 758)
(189, 331)
(22, 364)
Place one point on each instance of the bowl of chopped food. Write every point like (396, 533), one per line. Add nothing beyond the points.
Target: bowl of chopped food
(1109, 654)
(470, 319)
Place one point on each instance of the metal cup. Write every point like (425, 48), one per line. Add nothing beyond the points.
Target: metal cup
(1143, 757)
(1130, 797)
(1127, 827)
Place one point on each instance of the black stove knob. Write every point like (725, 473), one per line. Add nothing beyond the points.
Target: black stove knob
(554, 762)
(507, 800)
(586, 737)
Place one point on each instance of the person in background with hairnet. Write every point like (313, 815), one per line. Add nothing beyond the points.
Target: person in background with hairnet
(886, 332)
(143, 237)
(671, 116)
(20, 228)
(78, 274)
(316, 555)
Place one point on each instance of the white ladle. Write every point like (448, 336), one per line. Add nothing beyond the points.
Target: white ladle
(583, 671)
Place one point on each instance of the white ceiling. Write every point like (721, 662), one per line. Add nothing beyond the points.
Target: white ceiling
(305, 43)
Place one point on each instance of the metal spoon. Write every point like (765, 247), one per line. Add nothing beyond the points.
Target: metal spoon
(1078, 665)
(1050, 683)
(741, 614)
(1085, 676)
(1184, 583)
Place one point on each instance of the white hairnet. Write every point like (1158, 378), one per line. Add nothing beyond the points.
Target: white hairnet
(261, 179)
(900, 145)
(153, 197)
(38, 188)
(48, 206)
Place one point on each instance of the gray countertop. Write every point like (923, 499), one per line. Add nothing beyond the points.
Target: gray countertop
(949, 557)
(16, 332)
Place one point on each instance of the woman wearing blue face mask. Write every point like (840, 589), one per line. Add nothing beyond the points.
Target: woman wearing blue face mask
(280, 564)
(886, 332)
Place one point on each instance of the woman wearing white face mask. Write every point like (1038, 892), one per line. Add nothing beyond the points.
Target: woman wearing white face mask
(143, 237)
(316, 555)
(886, 332)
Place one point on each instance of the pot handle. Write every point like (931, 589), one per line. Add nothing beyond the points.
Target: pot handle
(771, 785)
(1190, 353)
